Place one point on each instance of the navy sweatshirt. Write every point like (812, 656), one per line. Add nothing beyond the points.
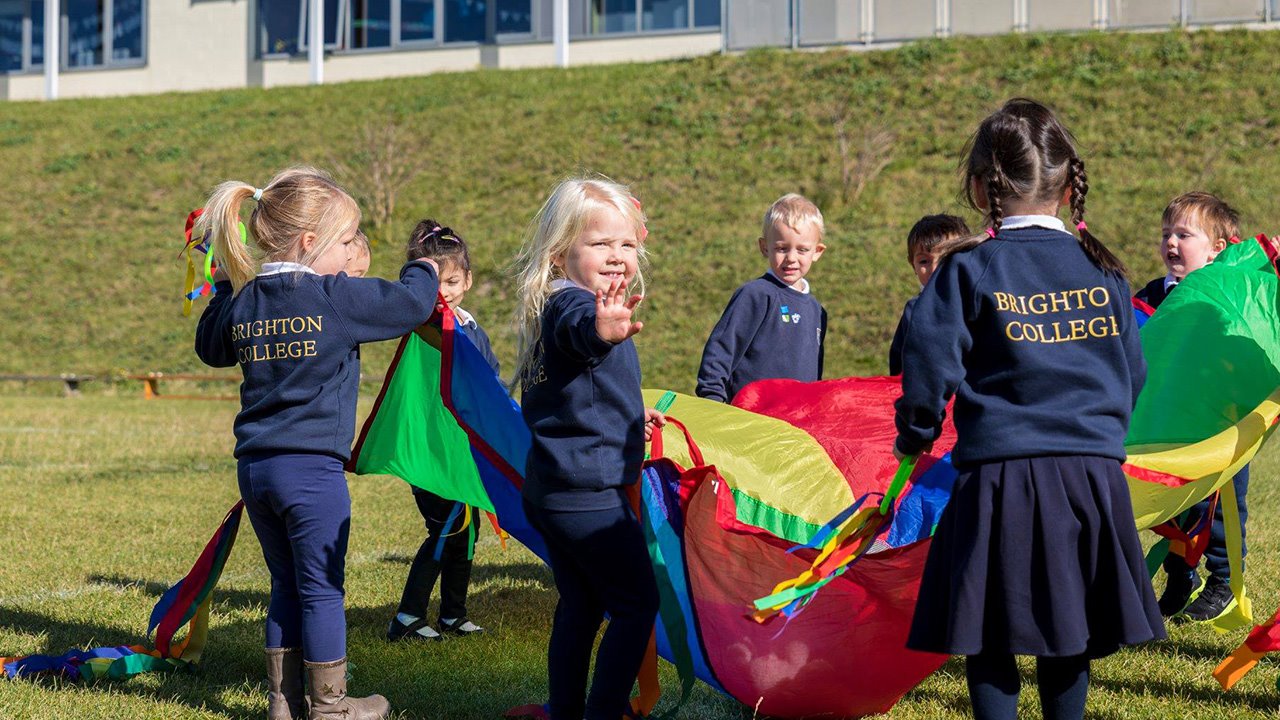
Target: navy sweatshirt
(900, 338)
(1154, 292)
(582, 404)
(1039, 346)
(296, 337)
(768, 330)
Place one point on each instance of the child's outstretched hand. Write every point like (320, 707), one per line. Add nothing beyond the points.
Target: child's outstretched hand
(613, 313)
(652, 419)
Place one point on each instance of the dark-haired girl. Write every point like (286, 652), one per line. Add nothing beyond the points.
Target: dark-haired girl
(446, 553)
(1030, 328)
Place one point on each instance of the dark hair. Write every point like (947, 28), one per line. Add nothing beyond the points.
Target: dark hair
(1023, 152)
(432, 240)
(1218, 219)
(931, 230)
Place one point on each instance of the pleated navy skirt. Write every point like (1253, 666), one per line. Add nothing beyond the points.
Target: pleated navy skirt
(1036, 556)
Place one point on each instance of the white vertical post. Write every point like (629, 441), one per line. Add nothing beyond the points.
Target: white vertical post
(560, 31)
(868, 21)
(315, 41)
(52, 23)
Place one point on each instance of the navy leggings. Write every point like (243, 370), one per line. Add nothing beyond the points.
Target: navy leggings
(994, 685)
(601, 565)
(301, 512)
(1215, 555)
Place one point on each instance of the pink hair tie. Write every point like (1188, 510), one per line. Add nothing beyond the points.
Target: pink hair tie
(991, 232)
(1081, 226)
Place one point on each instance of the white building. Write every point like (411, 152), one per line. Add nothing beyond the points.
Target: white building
(119, 47)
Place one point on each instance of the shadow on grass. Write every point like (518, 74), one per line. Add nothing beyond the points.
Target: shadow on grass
(226, 597)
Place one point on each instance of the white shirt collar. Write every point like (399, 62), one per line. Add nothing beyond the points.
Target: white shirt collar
(562, 283)
(800, 287)
(276, 268)
(464, 317)
(1017, 222)
(1169, 282)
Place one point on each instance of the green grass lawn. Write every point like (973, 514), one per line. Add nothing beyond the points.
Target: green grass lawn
(109, 500)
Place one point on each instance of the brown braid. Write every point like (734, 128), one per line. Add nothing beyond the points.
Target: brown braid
(1097, 252)
(995, 189)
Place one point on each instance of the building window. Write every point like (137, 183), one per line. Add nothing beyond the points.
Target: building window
(386, 24)
(370, 23)
(464, 20)
(417, 20)
(613, 16)
(515, 17)
(93, 33)
(706, 13)
(15, 34)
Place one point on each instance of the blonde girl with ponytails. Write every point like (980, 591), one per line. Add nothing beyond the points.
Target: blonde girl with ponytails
(581, 279)
(294, 325)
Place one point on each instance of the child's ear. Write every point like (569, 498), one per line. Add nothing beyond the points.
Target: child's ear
(466, 285)
(558, 261)
(764, 246)
(817, 251)
(979, 191)
(1219, 245)
(1066, 196)
(308, 241)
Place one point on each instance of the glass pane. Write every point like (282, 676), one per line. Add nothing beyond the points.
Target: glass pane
(463, 20)
(370, 23)
(13, 14)
(278, 22)
(417, 20)
(37, 33)
(84, 42)
(706, 13)
(666, 14)
(515, 16)
(126, 30)
(610, 16)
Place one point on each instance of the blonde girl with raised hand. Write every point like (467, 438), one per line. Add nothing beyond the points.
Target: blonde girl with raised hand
(294, 325)
(580, 375)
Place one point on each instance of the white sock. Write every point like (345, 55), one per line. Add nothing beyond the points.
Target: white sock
(406, 619)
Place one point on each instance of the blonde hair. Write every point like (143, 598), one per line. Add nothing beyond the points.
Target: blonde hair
(554, 230)
(795, 211)
(296, 201)
(1211, 213)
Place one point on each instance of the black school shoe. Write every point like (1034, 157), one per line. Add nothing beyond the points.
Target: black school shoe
(419, 630)
(461, 627)
(1179, 592)
(1216, 600)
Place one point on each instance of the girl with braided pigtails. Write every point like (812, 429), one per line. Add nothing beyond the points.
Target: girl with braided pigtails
(1030, 328)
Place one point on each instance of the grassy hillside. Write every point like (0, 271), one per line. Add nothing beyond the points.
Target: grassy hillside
(97, 189)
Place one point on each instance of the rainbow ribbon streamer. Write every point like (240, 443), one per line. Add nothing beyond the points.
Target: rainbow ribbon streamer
(844, 540)
(186, 603)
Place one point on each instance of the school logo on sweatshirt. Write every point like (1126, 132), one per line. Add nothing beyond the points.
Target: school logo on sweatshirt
(788, 316)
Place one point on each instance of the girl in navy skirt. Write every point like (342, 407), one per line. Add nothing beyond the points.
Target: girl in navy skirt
(294, 326)
(1030, 328)
(581, 380)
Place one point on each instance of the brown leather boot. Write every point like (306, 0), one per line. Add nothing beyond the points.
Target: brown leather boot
(286, 699)
(327, 683)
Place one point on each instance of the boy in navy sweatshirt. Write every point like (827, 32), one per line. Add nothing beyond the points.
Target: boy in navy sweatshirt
(925, 235)
(1196, 227)
(773, 327)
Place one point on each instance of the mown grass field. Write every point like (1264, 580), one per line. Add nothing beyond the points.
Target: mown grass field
(109, 500)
